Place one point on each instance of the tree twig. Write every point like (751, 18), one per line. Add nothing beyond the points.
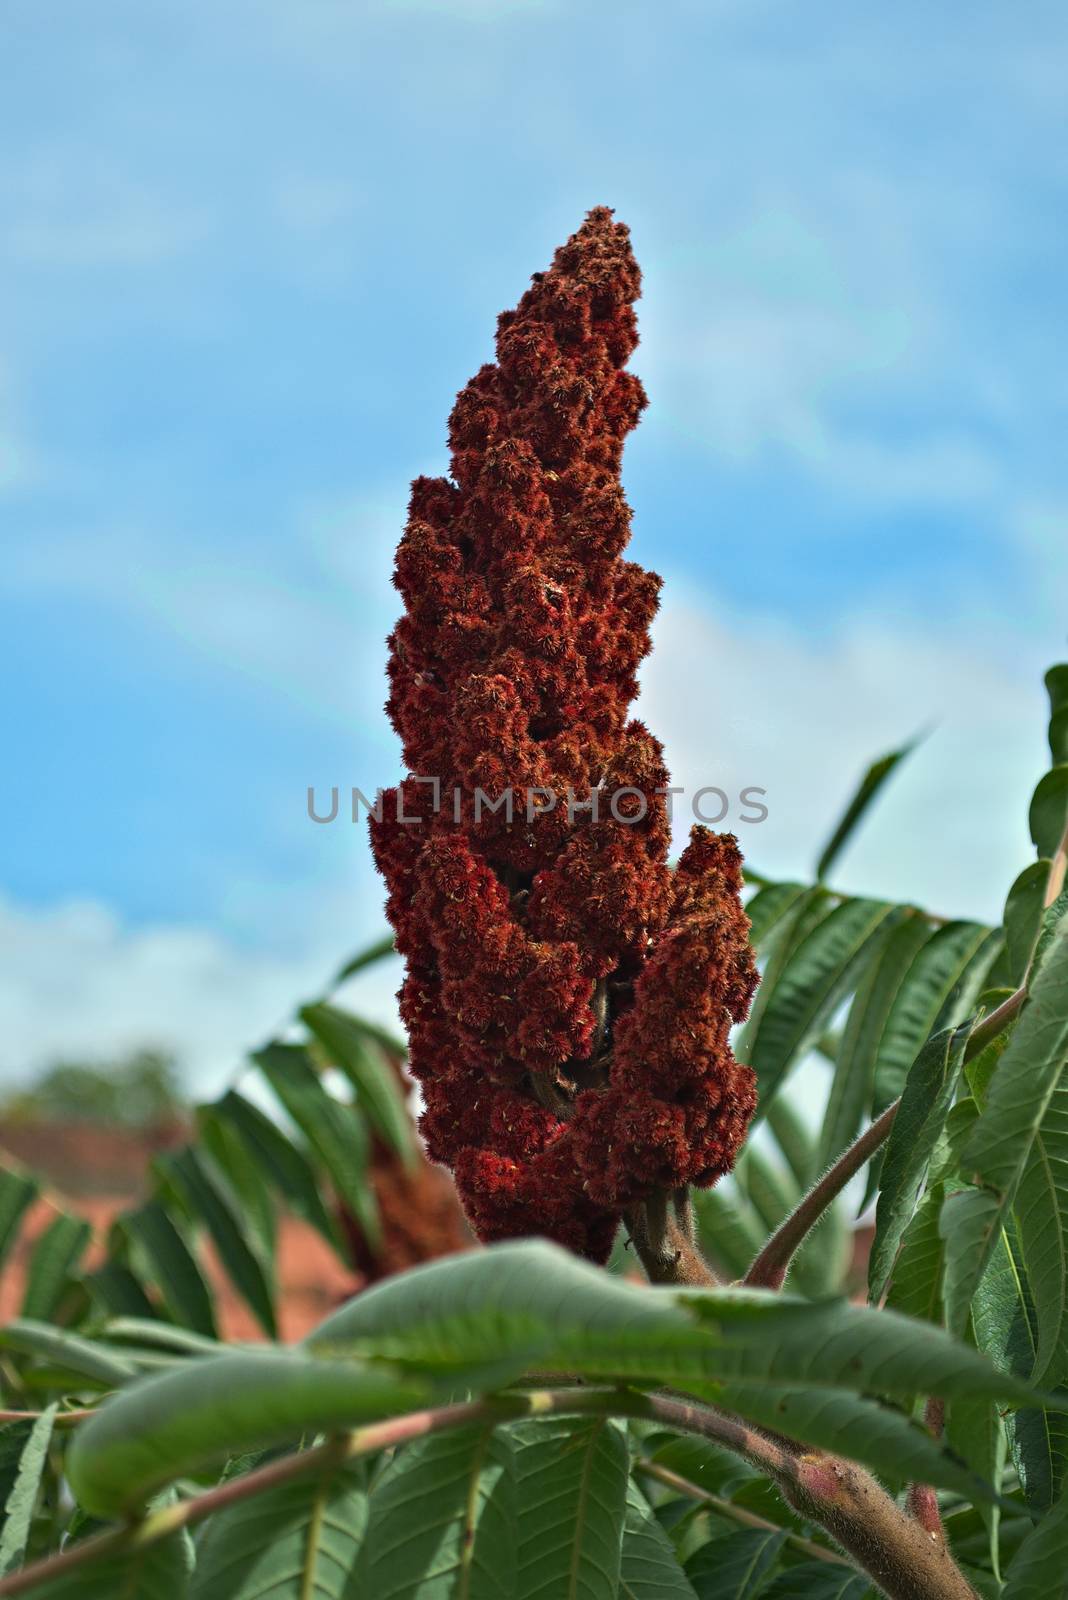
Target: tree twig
(769, 1269)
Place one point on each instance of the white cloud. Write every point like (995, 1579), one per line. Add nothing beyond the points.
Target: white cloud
(749, 701)
(76, 980)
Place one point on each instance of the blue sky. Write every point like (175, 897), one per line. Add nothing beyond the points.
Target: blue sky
(248, 254)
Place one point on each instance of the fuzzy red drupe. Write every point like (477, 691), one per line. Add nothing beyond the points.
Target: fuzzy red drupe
(568, 997)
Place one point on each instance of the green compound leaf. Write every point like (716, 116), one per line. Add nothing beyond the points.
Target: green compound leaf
(17, 1194)
(854, 1074)
(152, 1234)
(54, 1260)
(818, 1580)
(1049, 810)
(19, 1507)
(284, 1163)
(925, 1103)
(1037, 1570)
(337, 1133)
(735, 1567)
(867, 789)
(165, 1428)
(1018, 1151)
(923, 1003)
(815, 977)
(346, 1042)
(214, 1205)
(649, 1569)
(443, 1520)
(297, 1541)
(571, 1493)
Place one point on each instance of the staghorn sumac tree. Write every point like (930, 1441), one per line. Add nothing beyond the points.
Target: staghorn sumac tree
(514, 1422)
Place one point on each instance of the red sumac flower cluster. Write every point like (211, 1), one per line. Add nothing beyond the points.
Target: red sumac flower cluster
(568, 997)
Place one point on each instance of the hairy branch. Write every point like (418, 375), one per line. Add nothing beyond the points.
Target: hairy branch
(771, 1265)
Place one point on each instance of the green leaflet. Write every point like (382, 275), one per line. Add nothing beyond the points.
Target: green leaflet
(701, 1461)
(337, 1133)
(1018, 1151)
(923, 1002)
(522, 1303)
(364, 958)
(916, 1285)
(1023, 917)
(866, 792)
(1037, 1570)
(818, 1580)
(531, 1306)
(1049, 810)
(974, 1430)
(571, 1492)
(152, 1234)
(346, 1042)
(728, 1232)
(925, 1102)
(882, 1437)
(734, 1567)
(17, 1194)
(69, 1351)
(769, 906)
(443, 1521)
(117, 1291)
(245, 1177)
(209, 1200)
(13, 1436)
(649, 1569)
(815, 976)
(164, 1428)
(1003, 1319)
(297, 1540)
(287, 1166)
(159, 1571)
(854, 1075)
(22, 1498)
(794, 1140)
(163, 1336)
(1056, 681)
(55, 1258)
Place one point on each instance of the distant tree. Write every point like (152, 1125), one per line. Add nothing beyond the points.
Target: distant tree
(140, 1090)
